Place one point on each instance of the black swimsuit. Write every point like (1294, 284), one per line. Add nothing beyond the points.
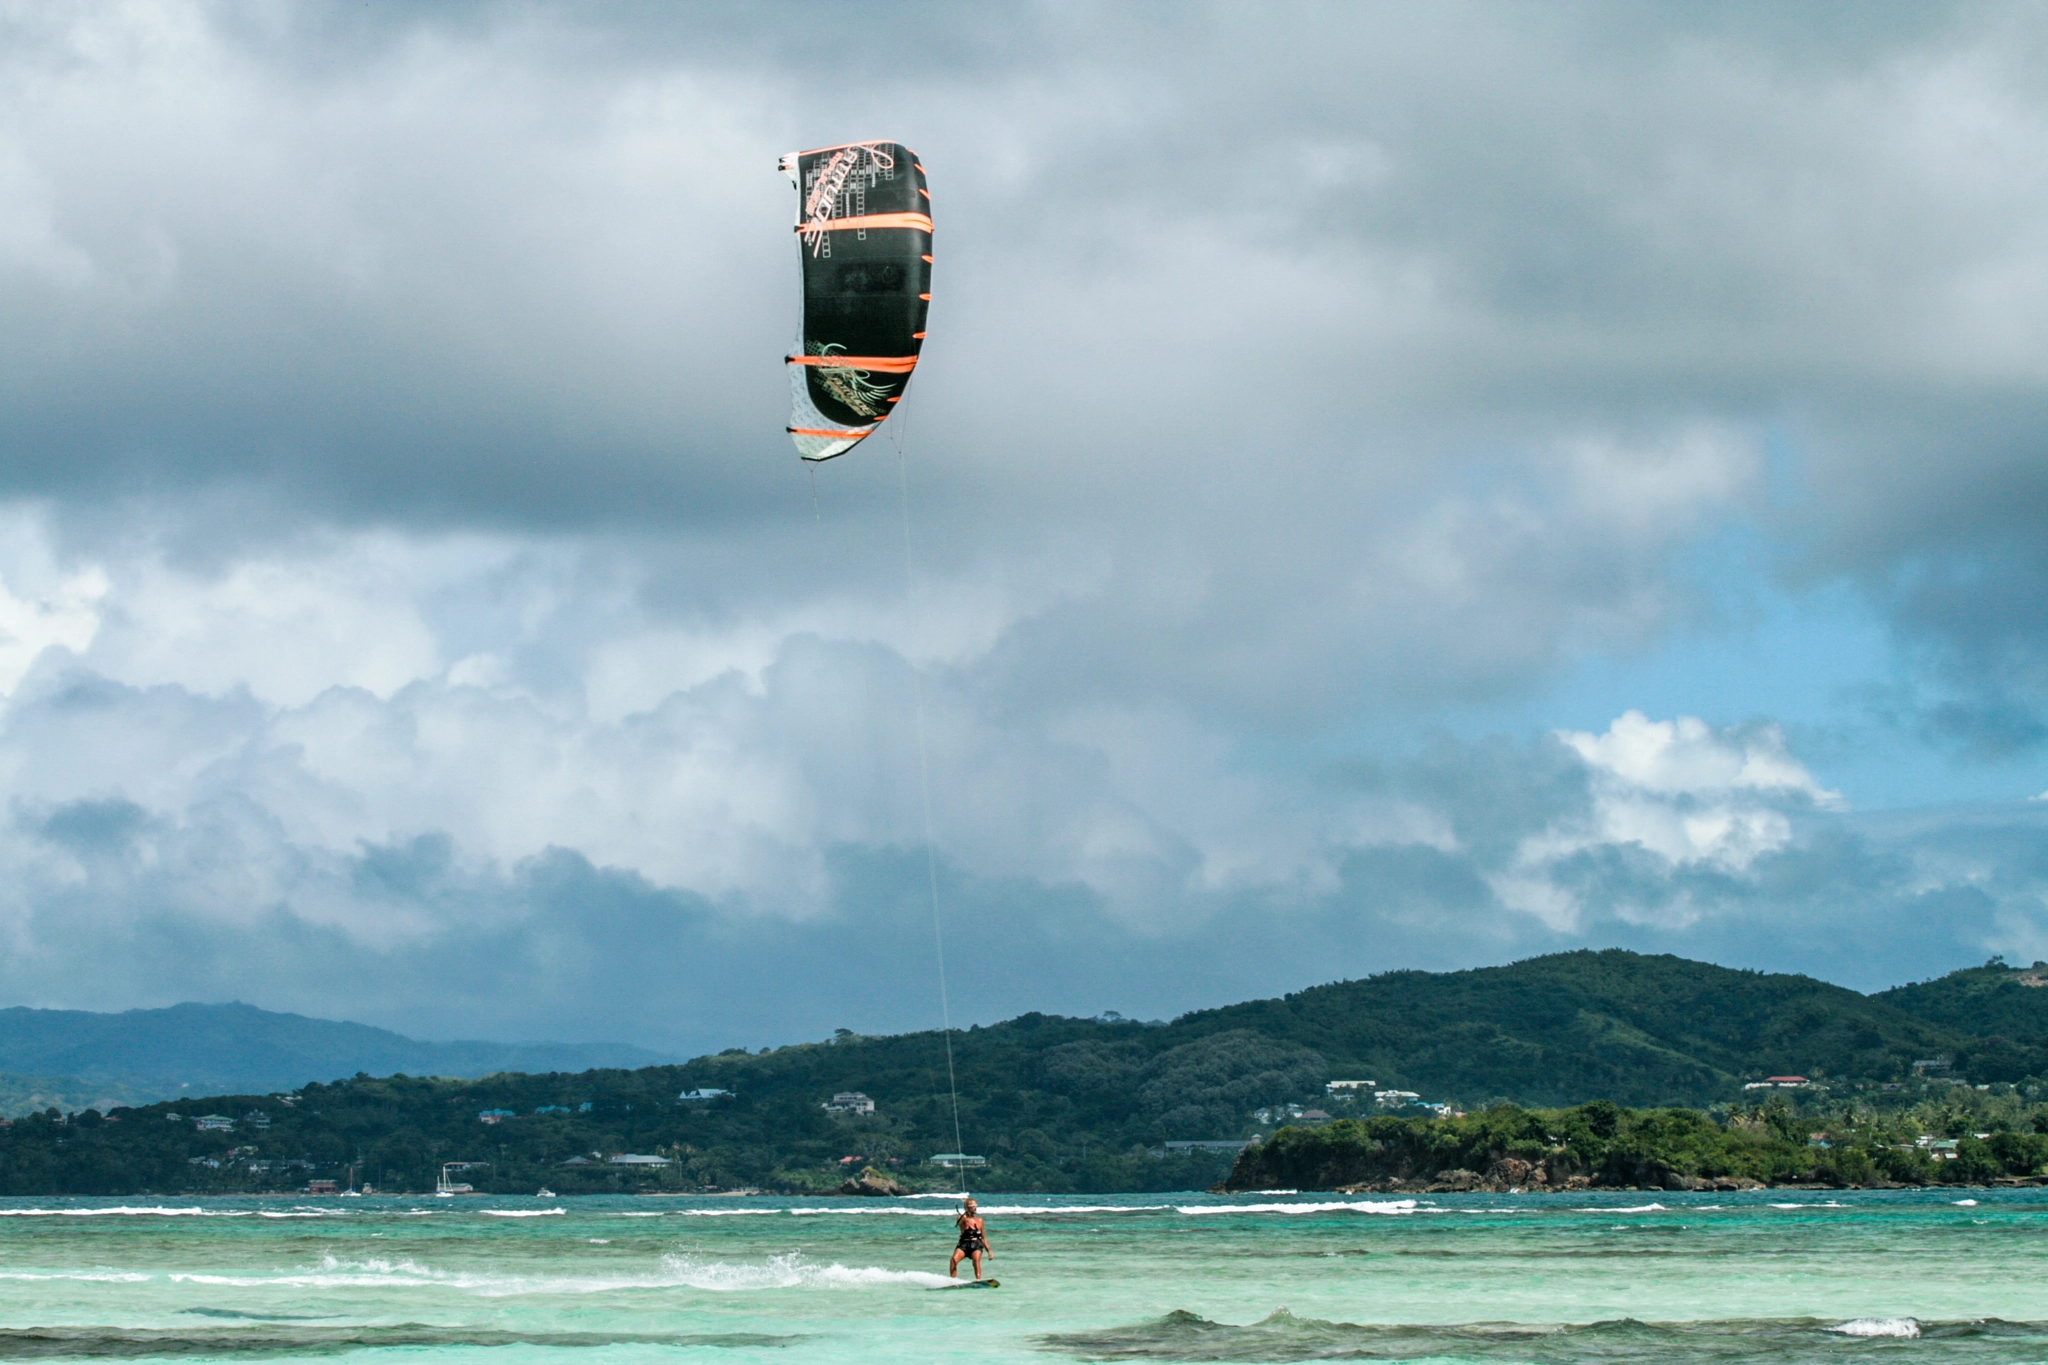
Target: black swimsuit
(971, 1240)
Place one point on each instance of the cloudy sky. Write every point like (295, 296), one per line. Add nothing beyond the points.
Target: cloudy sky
(1389, 486)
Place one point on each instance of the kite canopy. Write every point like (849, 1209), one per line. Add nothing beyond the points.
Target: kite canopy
(864, 236)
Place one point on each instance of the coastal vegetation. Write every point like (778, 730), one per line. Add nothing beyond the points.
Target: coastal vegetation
(1609, 1068)
(516, 1134)
(1604, 1146)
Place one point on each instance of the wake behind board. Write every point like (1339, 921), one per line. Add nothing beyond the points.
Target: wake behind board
(968, 1284)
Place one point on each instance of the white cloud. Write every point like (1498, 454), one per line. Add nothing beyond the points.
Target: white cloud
(67, 618)
(287, 630)
(1679, 790)
(1686, 756)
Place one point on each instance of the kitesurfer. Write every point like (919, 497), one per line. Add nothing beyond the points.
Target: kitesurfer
(973, 1240)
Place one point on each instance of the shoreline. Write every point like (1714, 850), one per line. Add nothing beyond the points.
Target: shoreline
(1693, 1186)
(1372, 1187)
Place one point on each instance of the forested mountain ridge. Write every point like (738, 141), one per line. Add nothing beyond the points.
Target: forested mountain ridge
(1061, 1103)
(1556, 1029)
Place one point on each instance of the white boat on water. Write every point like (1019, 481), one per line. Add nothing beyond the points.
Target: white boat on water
(447, 1187)
(543, 1193)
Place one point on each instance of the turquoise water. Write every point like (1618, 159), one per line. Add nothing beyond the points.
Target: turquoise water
(1894, 1276)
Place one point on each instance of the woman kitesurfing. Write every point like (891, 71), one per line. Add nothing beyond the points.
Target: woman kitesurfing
(864, 242)
(973, 1240)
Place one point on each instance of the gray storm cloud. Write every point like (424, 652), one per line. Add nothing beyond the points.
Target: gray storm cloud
(402, 548)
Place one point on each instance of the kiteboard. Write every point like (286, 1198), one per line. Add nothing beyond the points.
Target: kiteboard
(990, 1283)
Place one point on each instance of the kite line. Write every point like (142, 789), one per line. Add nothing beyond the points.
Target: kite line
(924, 789)
(864, 232)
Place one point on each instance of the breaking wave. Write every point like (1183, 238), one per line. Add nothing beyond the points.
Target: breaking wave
(1183, 1336)
(893, 1209)
(130, 1211)
(1342, 1206)
(1879, 1327)
(87, 1276)
(73, 1343)
(790, 1271)
(988, 1210)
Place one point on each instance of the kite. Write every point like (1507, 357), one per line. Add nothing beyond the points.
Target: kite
(864, 236)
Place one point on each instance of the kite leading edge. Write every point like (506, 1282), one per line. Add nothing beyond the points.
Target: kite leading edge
(864, 237)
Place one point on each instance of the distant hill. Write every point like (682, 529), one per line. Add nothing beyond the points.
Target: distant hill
(35, 1094)
(2004, 1009)
(1992, 999)
(140, 1055)
(1612, 1025)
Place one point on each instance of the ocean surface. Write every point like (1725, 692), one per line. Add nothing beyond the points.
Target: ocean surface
(1923, 1276)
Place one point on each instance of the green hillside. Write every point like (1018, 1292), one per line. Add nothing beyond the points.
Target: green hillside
(1085, 1104)
(2005, 1009)
(1611, 1025)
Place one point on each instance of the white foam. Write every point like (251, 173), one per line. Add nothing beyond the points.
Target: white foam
(402, 1274)
(987, 1210)
(525, 1213)
(1631, 1208)
(1878, 1327)
(330, 1271)
(895, 1207)
(126, 1211)
(1964, 1203)
(90, 1276)
(1362, 1206)
(870, 1210)
(791, 1272)
(1027, 1210)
